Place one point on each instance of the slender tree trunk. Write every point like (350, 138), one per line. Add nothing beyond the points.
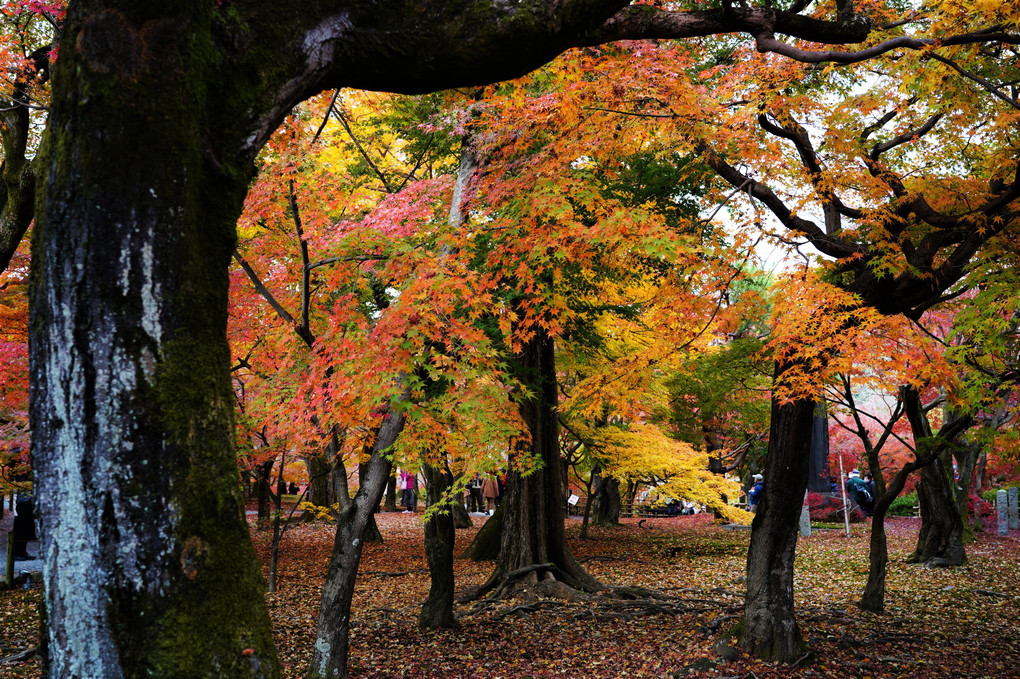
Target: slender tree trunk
(149, 568)
(594, 480)
(278, 527)
(966, 456)
(770, 629)
(372, 533)
(873, 598)
(341, 484)
(263, 490)
(533, 531)
(437, 611)
(979, 472)
(332, 631)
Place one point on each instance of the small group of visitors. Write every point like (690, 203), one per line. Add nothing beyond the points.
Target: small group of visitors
(484, 493)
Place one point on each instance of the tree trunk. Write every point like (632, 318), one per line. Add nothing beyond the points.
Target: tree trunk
(966, 456)
(343, 491)
(340, 483)
(262, 489)
(332, 631)
(149, 567)
(873, 598)
(461, 518)
(594, 480)
(533, 531)
(390, 504)
(606, 504)
(321, 491)
(770, 629)
(940, 540)
(485, 546)
(372, 533)
(437, 611)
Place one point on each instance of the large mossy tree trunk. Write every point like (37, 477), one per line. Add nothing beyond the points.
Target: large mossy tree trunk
(769, 629)
(149, 566)
(533, 546)
(332, 629)
(437, 610)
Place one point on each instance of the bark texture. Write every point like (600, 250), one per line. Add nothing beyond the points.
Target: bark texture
(770, 627)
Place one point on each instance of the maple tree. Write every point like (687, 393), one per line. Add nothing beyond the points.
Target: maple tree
(147, 155)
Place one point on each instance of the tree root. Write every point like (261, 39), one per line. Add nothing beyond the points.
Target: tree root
(530, 607)
(22, 656)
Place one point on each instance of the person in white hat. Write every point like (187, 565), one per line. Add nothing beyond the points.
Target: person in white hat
(754, 495)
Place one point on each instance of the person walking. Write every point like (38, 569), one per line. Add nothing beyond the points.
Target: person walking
(475, 503)
(490, 491)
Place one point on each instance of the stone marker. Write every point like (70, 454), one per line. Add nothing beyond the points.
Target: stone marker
(805, 519)
(1014, 519)
(1000, 506)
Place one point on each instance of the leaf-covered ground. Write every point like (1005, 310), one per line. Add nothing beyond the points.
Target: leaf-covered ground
(963, 622)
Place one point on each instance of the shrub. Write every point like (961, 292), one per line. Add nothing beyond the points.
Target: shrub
(976, 506)
(903, 505)
(828, 508)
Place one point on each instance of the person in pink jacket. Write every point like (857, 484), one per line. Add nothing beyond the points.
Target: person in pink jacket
(407, 484)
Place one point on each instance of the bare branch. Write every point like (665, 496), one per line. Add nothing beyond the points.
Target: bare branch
(269, 297)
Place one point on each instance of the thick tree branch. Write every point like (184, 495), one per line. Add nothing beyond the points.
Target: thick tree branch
(828, 244)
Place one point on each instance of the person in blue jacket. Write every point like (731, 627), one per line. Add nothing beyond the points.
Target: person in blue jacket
(754, 495)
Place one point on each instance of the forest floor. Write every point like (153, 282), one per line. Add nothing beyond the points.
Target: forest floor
(962, 622)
